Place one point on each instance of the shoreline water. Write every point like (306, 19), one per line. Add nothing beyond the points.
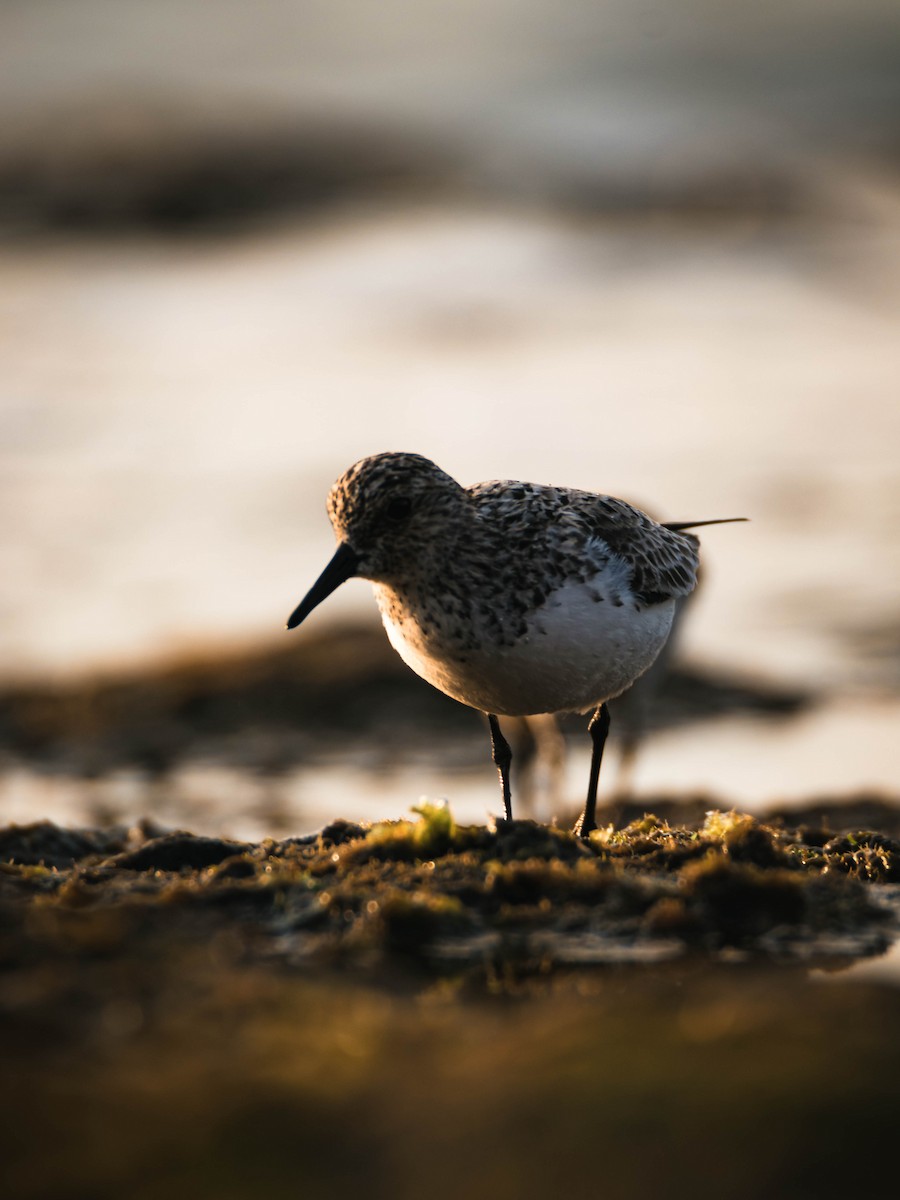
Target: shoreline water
(273, 738)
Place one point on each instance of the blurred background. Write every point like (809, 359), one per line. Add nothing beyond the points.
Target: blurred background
(634, 247)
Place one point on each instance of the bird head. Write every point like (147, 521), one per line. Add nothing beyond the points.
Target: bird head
(384, 510)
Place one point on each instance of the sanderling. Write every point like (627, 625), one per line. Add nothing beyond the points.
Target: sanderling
(513, 598)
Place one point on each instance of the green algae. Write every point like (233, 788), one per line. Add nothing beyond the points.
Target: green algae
(434, 833)
(516, 894)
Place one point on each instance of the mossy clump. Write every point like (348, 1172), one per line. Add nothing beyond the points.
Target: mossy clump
(548, 880)
(433, 891)
(866, 855)
(44, 844)
(432, 834)
(738, 836)
(403, 921)
(736, 903)
(744, 839)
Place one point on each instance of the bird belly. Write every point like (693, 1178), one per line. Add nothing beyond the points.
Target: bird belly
(576, 652)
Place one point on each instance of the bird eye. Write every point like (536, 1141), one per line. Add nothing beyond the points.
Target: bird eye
(398, 508)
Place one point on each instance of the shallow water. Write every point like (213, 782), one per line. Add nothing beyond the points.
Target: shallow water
(173, 413)
(748, 764)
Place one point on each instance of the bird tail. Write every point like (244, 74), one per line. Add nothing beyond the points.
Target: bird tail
(680, 526)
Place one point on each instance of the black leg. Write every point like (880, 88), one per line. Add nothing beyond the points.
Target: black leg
(598, 729)
(502, 756)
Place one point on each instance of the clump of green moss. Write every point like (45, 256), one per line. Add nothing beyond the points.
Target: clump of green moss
(744, 839)
(429, 888)
(734, 903)
(404, 920)
(864, 855)
(435, 833)
(657, 844)
(548, 880)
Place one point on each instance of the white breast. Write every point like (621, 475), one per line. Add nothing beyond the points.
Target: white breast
(576, 653)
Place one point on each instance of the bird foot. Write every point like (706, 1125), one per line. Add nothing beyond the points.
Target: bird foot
(583, 828)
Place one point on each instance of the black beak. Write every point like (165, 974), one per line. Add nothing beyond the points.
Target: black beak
(343, 566)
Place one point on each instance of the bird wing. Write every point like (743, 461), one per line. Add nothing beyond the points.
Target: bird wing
(663, 562)
(578, 531)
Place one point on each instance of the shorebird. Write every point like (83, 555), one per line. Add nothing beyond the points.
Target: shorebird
(513, 598)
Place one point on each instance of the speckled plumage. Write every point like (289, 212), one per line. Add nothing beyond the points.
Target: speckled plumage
(471, 580)
(514, 598)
